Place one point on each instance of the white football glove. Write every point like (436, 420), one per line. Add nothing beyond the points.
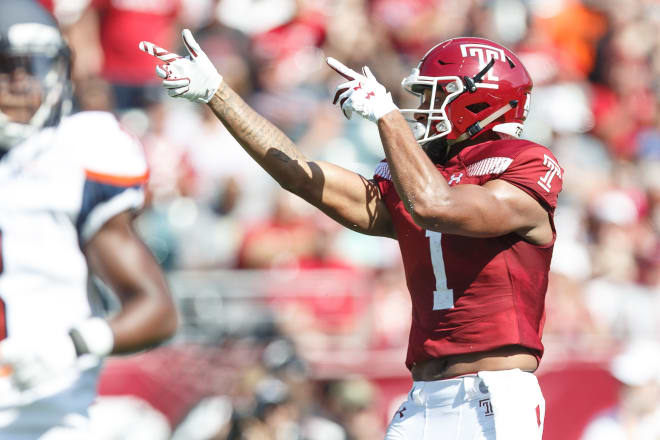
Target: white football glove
(362, 94)
(37, 358)
(193, 77)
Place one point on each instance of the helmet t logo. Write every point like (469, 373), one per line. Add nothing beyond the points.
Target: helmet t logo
(471, 83)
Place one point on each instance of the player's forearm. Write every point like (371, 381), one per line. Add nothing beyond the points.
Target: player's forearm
(419, 184)
(143, 323)
(196, 78)
(267, 145)
(148, 315)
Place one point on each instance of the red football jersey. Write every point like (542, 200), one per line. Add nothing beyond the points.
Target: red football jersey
(476, 294)
(123, 24)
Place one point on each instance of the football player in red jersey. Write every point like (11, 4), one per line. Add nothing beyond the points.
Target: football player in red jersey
(472, 210)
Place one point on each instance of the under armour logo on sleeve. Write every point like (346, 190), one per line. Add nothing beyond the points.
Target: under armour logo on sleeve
(455, 178)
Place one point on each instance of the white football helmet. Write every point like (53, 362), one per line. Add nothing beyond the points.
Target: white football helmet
(34, 71)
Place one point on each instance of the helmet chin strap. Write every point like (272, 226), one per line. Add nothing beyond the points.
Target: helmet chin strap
(478, 126)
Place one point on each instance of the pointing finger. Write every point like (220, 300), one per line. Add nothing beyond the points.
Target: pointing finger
(344, 71)
(160, 53)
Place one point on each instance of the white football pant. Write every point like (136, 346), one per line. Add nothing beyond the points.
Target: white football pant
(490, 405)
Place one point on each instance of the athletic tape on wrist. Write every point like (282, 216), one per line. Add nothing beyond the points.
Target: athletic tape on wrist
(92, 336)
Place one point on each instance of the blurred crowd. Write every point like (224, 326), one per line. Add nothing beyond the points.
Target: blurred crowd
(595, 103)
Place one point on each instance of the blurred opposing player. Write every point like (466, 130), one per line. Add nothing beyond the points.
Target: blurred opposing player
(472, 210)
(69, 189)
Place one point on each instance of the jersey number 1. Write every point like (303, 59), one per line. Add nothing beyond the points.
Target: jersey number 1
(443, 298)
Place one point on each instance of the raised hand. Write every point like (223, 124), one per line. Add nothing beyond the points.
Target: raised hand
(362, 93)
(193, 77)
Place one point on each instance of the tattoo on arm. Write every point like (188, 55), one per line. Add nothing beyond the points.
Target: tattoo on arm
(281, 156)
(257, 135)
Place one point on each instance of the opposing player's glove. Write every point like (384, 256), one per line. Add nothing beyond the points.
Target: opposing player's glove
(193, 77)
(38, 358)
(362, 93)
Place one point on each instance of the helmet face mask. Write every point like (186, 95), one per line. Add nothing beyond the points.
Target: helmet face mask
(431, 89)
(21, 90)
(483, 85)
(34, 72)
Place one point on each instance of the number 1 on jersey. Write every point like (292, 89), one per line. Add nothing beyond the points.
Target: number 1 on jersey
(443, 298)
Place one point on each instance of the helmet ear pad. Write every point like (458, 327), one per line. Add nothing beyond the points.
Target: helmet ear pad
(470, 108)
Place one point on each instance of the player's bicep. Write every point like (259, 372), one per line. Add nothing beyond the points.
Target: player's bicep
(119, 257)
(494, 209)
(349, 198)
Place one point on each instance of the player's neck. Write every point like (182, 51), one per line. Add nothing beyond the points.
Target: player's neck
(456, 148)
(442, 150)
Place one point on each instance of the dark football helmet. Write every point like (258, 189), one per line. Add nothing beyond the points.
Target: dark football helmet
(34, 71)
(472, 85)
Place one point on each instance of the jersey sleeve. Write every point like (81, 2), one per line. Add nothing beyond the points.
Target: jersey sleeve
(115, 172)
(536, 171)
(382, 177)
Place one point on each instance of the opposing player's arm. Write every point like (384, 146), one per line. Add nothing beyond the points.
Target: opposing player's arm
(117, 255)
(345, 196)
(494, 209)
(147, 316)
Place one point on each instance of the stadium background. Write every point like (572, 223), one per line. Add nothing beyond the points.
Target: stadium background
(290, 322)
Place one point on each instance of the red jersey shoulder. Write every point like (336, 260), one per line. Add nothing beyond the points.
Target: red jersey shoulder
(527, 165)
(496, 148)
